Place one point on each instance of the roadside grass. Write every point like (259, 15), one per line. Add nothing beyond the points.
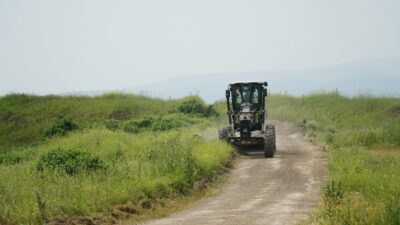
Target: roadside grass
(73, 158)
(146, 166)
(362, 136)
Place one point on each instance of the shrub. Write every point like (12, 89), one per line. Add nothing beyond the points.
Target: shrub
(71, 161)
(303, 122)
(162, 123)
(331, 129)
(329, 137)
(367, 139)
(121, 114)
(135, 126)
(197, 107)
(311, 125)
(191, 106)
(210, 111)
(61, 128)
(392, 134)
(334, 190)
(112, 124)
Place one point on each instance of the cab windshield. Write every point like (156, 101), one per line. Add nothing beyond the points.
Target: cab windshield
(246, 93)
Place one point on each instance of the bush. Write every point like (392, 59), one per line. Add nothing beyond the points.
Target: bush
(367, 139)
(392, 134)
(121, 114)
(334, 190)
(162, 123)
(197, 107)
(61, 128)
(311, 125)
(303, 122)
(112, 124)
(71, 161)
(331, 129)
(191, 106)
(329, 137)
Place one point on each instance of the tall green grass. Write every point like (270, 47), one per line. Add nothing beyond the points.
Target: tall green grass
(146, 165)
(362, 136)
(74, 155)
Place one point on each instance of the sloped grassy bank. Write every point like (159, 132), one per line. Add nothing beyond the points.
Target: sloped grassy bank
(362, 137)
(147, 166)
(117, 167)
(24, 119)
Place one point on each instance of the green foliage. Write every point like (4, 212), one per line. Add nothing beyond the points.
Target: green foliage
(367, 138)
(191, 107)
(311, 125)
(143, 166)
(334, 190)
(64, 175)
(329, 137)
(61, 128)
(161, 123)
(196, 106)
(112, 124)
(391, 134)
(364, 189)
(70, 161)
(15, 156)
(121, 114)
(331, 129)
(25, 118)
(367, 121)
(41, 208)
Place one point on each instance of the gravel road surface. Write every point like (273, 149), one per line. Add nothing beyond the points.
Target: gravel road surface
(279, 190)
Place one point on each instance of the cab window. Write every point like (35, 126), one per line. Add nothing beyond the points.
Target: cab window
(256, 96)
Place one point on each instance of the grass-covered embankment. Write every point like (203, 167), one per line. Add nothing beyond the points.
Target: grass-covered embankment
(25, 118)
(362, 137)
(90, 161)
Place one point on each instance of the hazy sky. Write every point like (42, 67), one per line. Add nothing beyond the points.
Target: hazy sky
(52, 46)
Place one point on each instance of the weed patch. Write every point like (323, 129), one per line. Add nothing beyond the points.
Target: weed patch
(196, 106)
(162, 123)
(70, 161)
(61, 128)
(15, 156)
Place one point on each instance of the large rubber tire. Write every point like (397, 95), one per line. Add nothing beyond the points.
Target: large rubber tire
(223, 133)
(269, 141)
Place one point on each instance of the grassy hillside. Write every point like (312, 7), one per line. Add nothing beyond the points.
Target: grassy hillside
(117, 155)
(362, 137)
(24, 118)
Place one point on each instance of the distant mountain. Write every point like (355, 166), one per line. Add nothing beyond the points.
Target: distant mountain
(378, 77)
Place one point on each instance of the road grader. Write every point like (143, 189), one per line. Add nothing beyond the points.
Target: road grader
(247, 116)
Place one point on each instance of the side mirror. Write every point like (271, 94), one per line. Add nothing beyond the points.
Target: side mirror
(266, 84)
(265, 92)
(228, 94)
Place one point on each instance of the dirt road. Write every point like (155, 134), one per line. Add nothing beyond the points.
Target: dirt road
(280, 190)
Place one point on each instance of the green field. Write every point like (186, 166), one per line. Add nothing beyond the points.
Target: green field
(114, 154)
(119, 155)
(362, 137)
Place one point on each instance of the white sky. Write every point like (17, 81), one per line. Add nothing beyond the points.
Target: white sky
(54, 46)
